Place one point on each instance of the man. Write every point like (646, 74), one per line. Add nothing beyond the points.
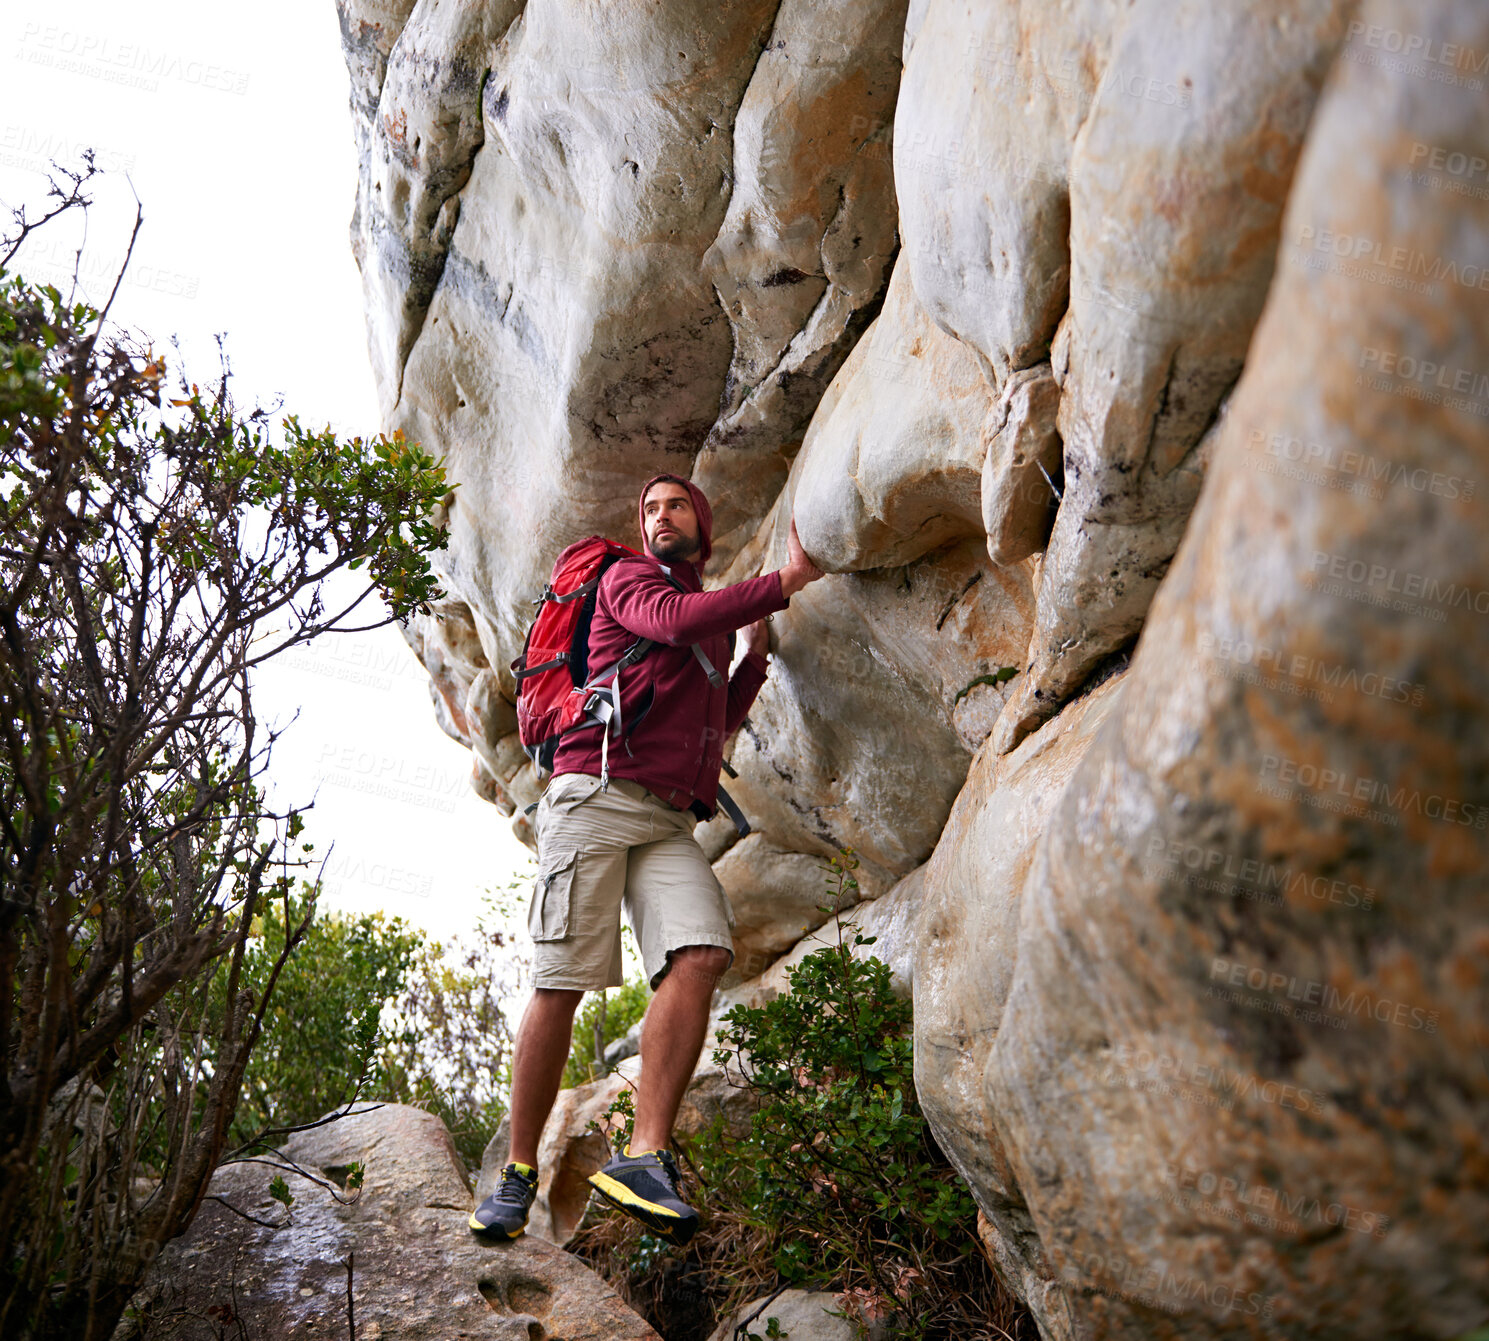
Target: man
(630, 844)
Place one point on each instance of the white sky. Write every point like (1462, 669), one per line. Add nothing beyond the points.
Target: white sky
(232, 125)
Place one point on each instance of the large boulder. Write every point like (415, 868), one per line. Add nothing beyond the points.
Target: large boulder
(1235, 1078)
(397, 1258)
(892, 466)
(965, 953)
(1098, 187)
(1098, 288)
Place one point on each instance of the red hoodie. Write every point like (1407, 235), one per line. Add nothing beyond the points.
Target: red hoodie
(673, 722)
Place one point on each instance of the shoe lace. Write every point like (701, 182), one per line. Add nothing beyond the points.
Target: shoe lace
(669, 1167)
(514, 1187)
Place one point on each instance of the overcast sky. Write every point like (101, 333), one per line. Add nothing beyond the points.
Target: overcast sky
(232, 127)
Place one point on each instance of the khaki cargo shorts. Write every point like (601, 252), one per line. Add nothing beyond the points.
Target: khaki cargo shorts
(601, 852)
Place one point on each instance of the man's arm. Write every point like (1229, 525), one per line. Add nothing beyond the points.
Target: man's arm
(643, 601)
(647, 604)
(749, 676)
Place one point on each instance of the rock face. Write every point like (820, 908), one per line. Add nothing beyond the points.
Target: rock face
(1068, 335)
(1254, 940)
(417, 1272)
(972, 890)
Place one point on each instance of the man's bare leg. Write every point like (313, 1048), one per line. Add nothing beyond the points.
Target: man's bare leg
(671, 1040)
(543, 1041)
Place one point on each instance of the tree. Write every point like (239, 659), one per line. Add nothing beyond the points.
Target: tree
(141, 546)
(321, 1031)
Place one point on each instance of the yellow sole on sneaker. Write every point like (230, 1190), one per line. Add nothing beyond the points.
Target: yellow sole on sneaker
(622, 1196)
(660, 1219)
(490, 1232)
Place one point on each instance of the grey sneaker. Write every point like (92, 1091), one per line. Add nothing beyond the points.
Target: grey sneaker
(644, 1186)
(503, 1215)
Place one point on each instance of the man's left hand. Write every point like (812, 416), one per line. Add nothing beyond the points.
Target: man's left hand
(757, 637)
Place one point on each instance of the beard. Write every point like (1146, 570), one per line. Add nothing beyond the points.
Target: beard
(674, 546)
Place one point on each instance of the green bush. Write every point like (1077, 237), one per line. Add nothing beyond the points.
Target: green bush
(839, 1178)
(321, 1030)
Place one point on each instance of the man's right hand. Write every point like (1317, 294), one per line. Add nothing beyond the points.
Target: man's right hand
(799, 569)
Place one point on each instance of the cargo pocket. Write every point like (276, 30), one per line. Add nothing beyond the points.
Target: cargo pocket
(548, 917)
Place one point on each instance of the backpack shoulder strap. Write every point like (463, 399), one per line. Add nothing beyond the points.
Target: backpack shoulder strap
(714, 678)
(731, 808)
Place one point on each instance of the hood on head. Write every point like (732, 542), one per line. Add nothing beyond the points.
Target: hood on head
(700, 506)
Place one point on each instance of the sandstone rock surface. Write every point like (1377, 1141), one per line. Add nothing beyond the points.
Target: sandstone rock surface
(892, 468)
(1238, 1049)
(890, 919)
(418, 1273)
(974, 895)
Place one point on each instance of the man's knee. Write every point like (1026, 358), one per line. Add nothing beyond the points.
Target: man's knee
(700, 965)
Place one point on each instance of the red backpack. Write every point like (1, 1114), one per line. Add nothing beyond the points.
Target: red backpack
(556, 688)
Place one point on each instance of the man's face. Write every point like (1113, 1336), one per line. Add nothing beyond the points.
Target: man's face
(669, 522)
